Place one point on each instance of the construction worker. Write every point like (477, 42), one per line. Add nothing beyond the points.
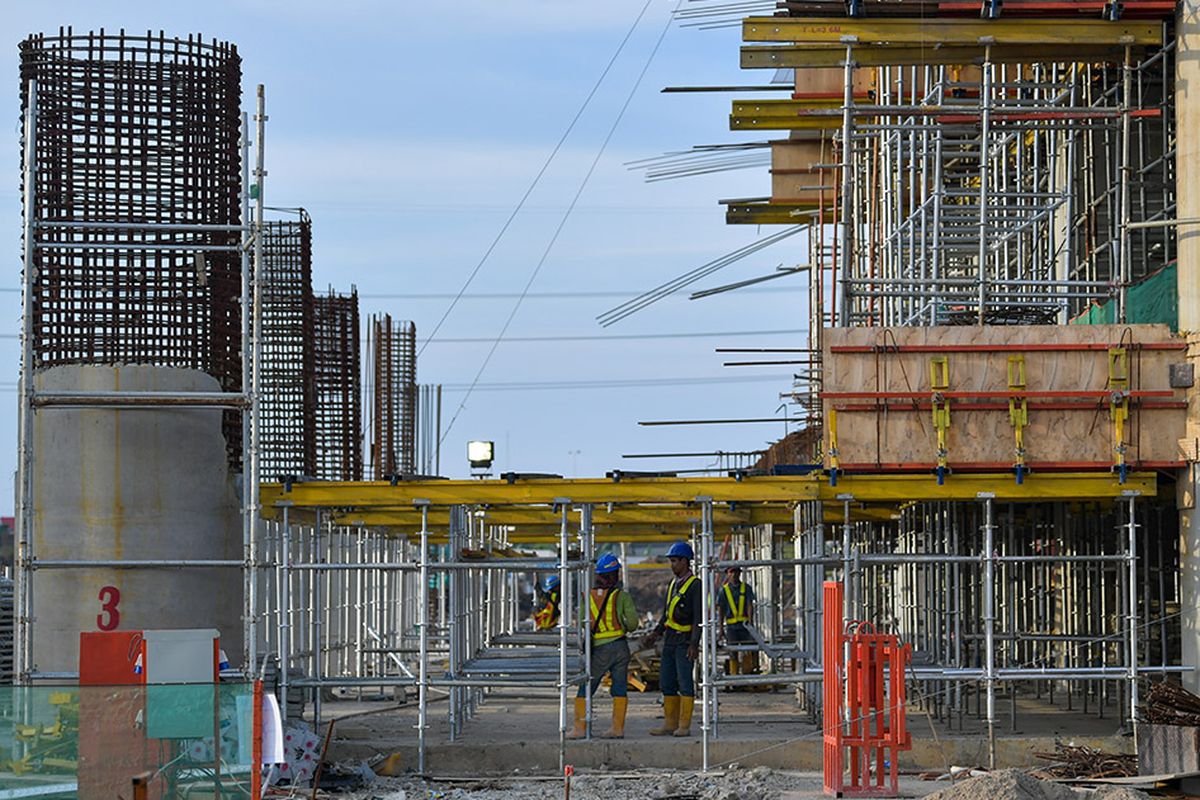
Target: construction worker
(681, 646)
(613, 615)
(735, 607)
(547, 616)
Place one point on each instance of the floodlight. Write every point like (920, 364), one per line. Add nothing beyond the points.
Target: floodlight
(481, 454)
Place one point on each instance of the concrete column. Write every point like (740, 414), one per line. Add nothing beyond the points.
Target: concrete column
(1187, 161)
(1189, 526)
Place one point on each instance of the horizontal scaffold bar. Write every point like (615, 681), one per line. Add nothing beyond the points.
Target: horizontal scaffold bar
(937, 32)
(823, 56)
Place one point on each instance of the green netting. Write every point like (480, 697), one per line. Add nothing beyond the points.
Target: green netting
(90, 742)
(1154, 299)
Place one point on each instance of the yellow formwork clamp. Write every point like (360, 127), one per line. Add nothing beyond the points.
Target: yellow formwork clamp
(1118, 406)
(1018, 412)
(939, 383)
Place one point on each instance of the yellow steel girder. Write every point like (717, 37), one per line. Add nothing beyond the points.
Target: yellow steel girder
(937, 32)
(759, 213)
(363, 494)
(777, 115)
(826, 56)
(524, 516)
(887, 488)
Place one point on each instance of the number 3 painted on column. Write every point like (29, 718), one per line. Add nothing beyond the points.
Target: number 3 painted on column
(110, 618)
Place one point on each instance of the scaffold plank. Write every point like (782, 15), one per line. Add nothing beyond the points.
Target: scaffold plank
(938, 32)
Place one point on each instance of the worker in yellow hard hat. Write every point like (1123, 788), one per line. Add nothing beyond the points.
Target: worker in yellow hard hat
(613, 615)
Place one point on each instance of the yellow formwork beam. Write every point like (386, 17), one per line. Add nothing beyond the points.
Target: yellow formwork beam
(938, 32)
(364, 494)
(546, 515)
(757, 213)
(782, 115)
(826, 56)
(1038, 487)
(773, 489)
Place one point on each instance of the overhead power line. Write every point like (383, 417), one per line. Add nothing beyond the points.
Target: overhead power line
(566, 214)
(609, 383)
(538, 177)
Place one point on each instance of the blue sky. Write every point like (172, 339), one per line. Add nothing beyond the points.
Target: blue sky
(409, 131)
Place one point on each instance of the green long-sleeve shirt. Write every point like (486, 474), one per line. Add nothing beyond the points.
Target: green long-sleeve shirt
(627, 614)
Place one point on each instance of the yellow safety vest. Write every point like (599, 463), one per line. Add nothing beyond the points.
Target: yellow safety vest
(606, 627)
(673, 599)
(545, 619)
(737, 610)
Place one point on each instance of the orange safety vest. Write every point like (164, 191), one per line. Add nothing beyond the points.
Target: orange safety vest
(737, 610)
(545, 619)
(606, 627)
(673, 599)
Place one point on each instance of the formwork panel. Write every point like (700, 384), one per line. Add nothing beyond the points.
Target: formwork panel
(882, 392)
(337, 376)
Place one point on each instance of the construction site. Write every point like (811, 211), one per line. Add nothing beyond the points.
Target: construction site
(243, 565)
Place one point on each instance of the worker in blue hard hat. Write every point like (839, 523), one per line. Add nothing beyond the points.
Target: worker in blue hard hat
(546, 617)
(613, 615)
(680, 622)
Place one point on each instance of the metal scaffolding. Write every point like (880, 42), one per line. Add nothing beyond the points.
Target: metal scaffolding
(139, 248)
(998, 594)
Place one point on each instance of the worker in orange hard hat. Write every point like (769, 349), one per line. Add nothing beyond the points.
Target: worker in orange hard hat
(613, 615)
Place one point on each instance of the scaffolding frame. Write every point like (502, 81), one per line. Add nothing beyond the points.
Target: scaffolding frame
(852, 532)
(116, 230)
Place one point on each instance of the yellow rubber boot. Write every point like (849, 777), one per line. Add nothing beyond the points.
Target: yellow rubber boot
(685, 716)
(617, 731)
(580, 719)
(670, 716)
(731, 665)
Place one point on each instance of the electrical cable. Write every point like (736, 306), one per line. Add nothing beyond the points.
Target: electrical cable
(538, 177)
(566, 216)
(610, 383)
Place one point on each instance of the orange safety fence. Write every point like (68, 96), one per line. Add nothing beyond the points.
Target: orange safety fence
(865, 725)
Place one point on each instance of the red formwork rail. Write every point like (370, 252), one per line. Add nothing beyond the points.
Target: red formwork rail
(865, 721)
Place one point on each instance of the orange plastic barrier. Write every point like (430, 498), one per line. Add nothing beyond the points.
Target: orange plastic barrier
(864, 704)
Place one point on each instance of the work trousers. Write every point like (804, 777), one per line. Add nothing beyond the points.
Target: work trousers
(610, 657)
(676, 671)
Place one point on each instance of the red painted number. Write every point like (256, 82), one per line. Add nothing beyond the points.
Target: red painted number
(109, 618)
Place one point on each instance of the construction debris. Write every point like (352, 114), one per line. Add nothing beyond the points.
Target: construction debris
(1015, 784)
(1171, 704)
(759, 783)
(1074, 761)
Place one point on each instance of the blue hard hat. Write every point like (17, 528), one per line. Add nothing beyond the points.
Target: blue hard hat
(680, 549)
(550, 584)
(607, 563)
